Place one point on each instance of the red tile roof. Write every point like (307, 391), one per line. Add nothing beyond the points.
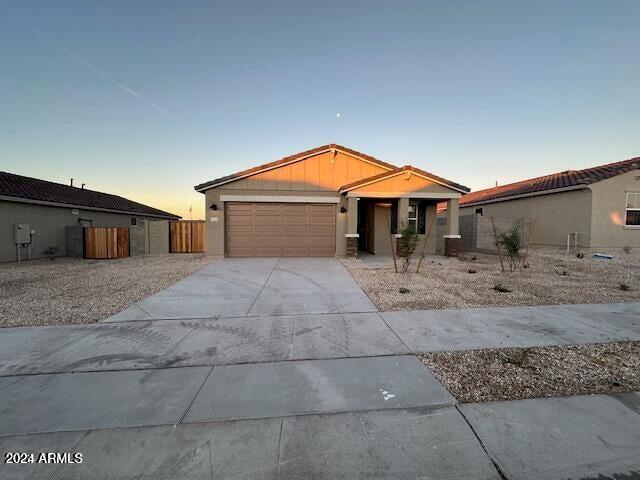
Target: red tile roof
(547, 183)
(12, 185)
(406, 168)
(290, 158)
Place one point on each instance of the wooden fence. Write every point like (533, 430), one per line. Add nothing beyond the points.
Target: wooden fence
(106, 242)
(186, 237)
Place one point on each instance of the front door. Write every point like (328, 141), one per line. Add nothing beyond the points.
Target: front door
(369, 227)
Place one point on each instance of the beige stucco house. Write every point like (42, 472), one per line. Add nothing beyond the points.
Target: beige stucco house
(596, 208)
(328, 201)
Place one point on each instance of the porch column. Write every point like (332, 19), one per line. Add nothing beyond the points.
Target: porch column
(352, 227)
(451, 236)
(403, 221)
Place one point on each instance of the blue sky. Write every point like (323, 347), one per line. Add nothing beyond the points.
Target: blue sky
(147, 99)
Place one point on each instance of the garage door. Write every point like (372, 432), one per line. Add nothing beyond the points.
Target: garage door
(280, 230)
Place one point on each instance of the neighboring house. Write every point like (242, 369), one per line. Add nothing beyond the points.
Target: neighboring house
(328, 201)
(49, 207)
(598, 207)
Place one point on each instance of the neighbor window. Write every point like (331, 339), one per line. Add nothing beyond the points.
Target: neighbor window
(633, 209)
(413, 216)
(480, 211)
(134, 221)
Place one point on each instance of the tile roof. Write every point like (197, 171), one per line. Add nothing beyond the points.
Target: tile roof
(539, 185)
(12, 185)
(290, 158)
(406, 168)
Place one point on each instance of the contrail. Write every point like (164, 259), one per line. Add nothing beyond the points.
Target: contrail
(99, 72)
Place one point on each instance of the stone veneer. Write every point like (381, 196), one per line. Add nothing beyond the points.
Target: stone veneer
(451, 247)
(352, 246)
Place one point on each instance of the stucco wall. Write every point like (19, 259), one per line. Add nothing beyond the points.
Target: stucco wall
(558, 214)
(49, 223)
(608, 205)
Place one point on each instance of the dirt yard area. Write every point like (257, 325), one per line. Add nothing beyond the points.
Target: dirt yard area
(512, 373)
(70, 290)
(468, 281)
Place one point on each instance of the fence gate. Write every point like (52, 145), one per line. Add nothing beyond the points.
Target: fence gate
(186, 236)
(106, 242)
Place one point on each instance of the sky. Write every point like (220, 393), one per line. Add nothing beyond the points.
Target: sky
(146, 99)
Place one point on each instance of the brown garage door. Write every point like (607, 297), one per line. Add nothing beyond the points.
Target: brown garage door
(280, 230)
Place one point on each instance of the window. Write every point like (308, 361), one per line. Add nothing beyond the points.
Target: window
(134, 221)
(413, 217)
(633, 209)
(480, 211)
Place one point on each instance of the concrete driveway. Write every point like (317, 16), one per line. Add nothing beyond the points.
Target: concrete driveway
(283, 369)
(256, 286)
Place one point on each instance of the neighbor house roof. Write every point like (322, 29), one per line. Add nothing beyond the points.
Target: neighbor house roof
(290, 159)
(34, 190)
(567, 180)
(406, 168)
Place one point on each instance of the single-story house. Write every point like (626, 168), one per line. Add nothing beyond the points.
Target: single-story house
(597, 207)
(328, 201)
(36, 212)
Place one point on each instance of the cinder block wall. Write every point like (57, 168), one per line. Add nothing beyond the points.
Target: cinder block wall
(74, 241)
(137, 240)
(158, 237)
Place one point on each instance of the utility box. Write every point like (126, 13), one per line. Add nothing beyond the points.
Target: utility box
(22, 233)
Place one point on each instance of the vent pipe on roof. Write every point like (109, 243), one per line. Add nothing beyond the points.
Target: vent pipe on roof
(82, 186)
(72, 182)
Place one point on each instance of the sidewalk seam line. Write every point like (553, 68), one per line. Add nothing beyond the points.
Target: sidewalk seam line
(394, 332)
(193, 400)
(503, 476)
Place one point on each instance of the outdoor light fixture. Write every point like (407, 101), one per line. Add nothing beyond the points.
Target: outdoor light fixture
(343, 210)
(213, 206)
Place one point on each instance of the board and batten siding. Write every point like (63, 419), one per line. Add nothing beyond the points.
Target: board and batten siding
(321, 175)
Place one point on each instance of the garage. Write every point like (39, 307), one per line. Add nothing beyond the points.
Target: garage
(280, 230)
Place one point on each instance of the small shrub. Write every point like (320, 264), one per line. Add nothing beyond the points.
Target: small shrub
(498, 287)
(404, 290)
(624, 287)
(471, 270)
(580, 255)
(407, 244)
(511, 241)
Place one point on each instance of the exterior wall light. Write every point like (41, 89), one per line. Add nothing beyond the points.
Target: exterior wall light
(343, 210)
(213, 206)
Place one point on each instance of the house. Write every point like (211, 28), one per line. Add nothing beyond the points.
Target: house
(34, 214)
(597, 207)
(328, 201)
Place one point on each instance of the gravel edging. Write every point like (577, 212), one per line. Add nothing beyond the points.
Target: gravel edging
(79, 291)
(517, 373)
(552, 278)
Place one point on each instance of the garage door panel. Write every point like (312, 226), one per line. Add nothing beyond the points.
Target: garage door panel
(280, 229)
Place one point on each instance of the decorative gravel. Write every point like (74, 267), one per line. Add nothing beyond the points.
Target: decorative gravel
(553, 277)
(71, 291)
(514, 373)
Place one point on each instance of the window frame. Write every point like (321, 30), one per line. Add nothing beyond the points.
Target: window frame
(632, 209)
(134, 221)
(414, 219)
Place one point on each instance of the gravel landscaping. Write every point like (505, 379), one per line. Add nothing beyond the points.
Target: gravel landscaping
(469, 281)
(71, 291)
(516, 373)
